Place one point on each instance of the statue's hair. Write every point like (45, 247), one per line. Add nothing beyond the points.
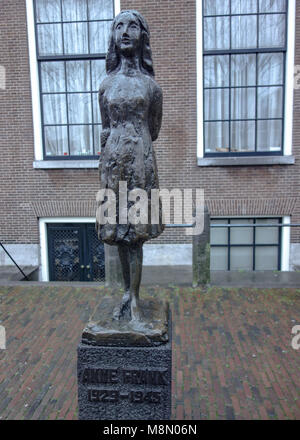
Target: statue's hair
(113, 57)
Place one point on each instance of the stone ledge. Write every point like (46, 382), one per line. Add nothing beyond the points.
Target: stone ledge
(63, 164)
(245, 161)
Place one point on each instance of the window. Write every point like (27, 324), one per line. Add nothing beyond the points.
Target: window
(71, 40)
(246, 248)
(244, 53)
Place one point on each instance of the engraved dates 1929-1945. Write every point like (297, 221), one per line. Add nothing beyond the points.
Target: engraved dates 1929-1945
(112, 396)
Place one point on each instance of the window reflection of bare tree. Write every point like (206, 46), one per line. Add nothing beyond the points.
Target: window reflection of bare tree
(241, 113)
(69, 87)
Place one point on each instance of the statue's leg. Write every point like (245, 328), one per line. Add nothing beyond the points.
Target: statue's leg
(136, 264)
(125, 264)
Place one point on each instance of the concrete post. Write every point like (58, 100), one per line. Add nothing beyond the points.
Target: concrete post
(201, 254)
(113, 270)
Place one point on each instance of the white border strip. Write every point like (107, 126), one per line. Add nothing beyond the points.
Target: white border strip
(34, 79)
(117, 7)
(199, 61)
(44, 241)
(285, 245)
(289, 79)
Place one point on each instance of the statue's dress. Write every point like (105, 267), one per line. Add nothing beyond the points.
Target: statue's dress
(131, 114)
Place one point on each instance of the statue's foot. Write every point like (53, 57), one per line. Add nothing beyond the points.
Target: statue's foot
(135, 312)
(120, 309)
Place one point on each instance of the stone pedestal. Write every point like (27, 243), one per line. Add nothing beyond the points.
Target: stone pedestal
(124, 370)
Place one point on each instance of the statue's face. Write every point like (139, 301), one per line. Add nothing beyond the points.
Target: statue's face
(128, 34)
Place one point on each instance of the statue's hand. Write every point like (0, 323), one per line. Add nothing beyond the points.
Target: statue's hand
(104, 136)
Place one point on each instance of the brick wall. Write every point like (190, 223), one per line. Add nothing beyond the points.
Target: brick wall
(253, 190)
(27, 193)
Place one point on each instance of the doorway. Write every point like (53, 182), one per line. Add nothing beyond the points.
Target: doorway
(75, 253)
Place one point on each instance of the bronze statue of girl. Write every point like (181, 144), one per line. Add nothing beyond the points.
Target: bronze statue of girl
(131, 110)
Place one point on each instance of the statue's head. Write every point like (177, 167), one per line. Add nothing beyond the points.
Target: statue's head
(129, 36)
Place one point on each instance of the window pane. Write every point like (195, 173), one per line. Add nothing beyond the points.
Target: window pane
(242, 136)
(75, 38)
(74, 10)
(267, 235)
(100, 9)
(54, 109)
(243, 70)
(99, 35)
(269, 135)
(216, 71)
(79, 108)
(219, 258)
(98, 73)
(270, 68)
(216, 33)
(56, 141)
(243, 32)
(216, 137)
(216, 104)
(272, 30)
(243, 103)
(272, 5)
(266, 258)
(78, 76)
(243, 7)
(219, 235)
(97, 132)
(81, 140)
(241, 258)
(53, 77)
(269, 102)
(96, 109)
(49, 39)
(47, 11)
(266, 251)
(241, 235)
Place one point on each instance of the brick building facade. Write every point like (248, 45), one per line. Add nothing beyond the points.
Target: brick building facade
(34, 190)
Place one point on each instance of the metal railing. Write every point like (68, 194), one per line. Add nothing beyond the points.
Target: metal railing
(250, 225)
(257, 225)
(6, 251)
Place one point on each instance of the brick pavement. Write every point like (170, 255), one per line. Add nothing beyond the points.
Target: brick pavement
(232, 354)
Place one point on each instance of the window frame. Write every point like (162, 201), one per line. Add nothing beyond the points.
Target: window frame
(41, 161)
(255, 157)
(254, 245)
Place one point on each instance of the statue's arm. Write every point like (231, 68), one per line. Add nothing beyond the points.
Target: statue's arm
(155, 113)
(104, 117)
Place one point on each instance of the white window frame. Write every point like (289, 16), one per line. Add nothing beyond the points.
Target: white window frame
(289, 98)
(36, 104)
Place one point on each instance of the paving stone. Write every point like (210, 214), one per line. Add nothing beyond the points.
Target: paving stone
(232, 354)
